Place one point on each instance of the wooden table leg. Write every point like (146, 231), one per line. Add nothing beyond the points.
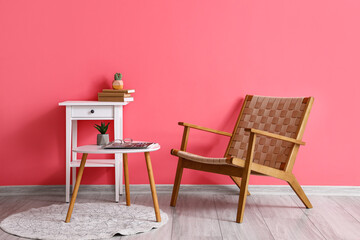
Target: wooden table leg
(152, 187)
(76, 189)
(126, 173)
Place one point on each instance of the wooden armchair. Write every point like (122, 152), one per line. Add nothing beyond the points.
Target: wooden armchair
(265, 141)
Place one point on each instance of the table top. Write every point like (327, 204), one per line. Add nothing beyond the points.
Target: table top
(96, 149)
(91, 103)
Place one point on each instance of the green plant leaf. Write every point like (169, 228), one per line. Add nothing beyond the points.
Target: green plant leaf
(102, 128)
(106, 127)
(99, 128)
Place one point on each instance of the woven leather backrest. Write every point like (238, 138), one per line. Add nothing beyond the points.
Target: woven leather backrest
(281, 116)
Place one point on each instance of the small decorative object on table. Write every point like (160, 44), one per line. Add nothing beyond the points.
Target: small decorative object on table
(127, 143)
(102, 138)
(118, 83)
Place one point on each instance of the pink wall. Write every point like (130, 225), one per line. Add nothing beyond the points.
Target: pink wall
(191, 61)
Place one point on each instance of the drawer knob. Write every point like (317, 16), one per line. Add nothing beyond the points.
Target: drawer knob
(92, 111)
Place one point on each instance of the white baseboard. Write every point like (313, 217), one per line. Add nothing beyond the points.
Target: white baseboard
(167, 188)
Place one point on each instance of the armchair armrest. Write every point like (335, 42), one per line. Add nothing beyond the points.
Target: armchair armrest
(205, 129)
(273, 135)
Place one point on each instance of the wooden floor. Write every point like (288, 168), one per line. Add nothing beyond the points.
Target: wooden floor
(212, 216)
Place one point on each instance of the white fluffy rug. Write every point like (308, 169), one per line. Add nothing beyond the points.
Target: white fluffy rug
(88, 221)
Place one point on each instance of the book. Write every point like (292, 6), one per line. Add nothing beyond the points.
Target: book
(127, 145)
(119, 91)
(115, 99)
(111, 94)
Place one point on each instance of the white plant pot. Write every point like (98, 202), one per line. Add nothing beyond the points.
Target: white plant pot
(102, 139)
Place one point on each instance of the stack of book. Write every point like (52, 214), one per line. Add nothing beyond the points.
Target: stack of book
(111, 95)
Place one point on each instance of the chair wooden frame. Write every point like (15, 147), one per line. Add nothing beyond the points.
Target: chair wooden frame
(238, 169)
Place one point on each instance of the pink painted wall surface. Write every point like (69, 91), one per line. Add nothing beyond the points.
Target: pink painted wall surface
(191, 61)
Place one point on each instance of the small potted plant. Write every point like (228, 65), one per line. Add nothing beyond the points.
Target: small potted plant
(117, 84)
(102, 138)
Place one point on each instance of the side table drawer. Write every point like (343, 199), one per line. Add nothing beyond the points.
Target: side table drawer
(92, 112)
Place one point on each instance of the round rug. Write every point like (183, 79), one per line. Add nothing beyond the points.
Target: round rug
(88, 221)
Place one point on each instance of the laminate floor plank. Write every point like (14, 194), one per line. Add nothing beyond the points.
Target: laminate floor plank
(195, 217)
(10, 206)
(285, 219)
(253, 226)
(350, 204)
(332, 220)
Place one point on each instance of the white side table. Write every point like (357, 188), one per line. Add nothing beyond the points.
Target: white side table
(92, 110)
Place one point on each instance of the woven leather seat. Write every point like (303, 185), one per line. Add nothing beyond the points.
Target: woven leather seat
(265, 141)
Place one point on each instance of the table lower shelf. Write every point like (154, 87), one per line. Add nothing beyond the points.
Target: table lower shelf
(94, 163)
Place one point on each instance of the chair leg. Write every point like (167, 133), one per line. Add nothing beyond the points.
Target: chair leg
(299, 192)
(177, 181)
(237, 181)
(242, 198)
